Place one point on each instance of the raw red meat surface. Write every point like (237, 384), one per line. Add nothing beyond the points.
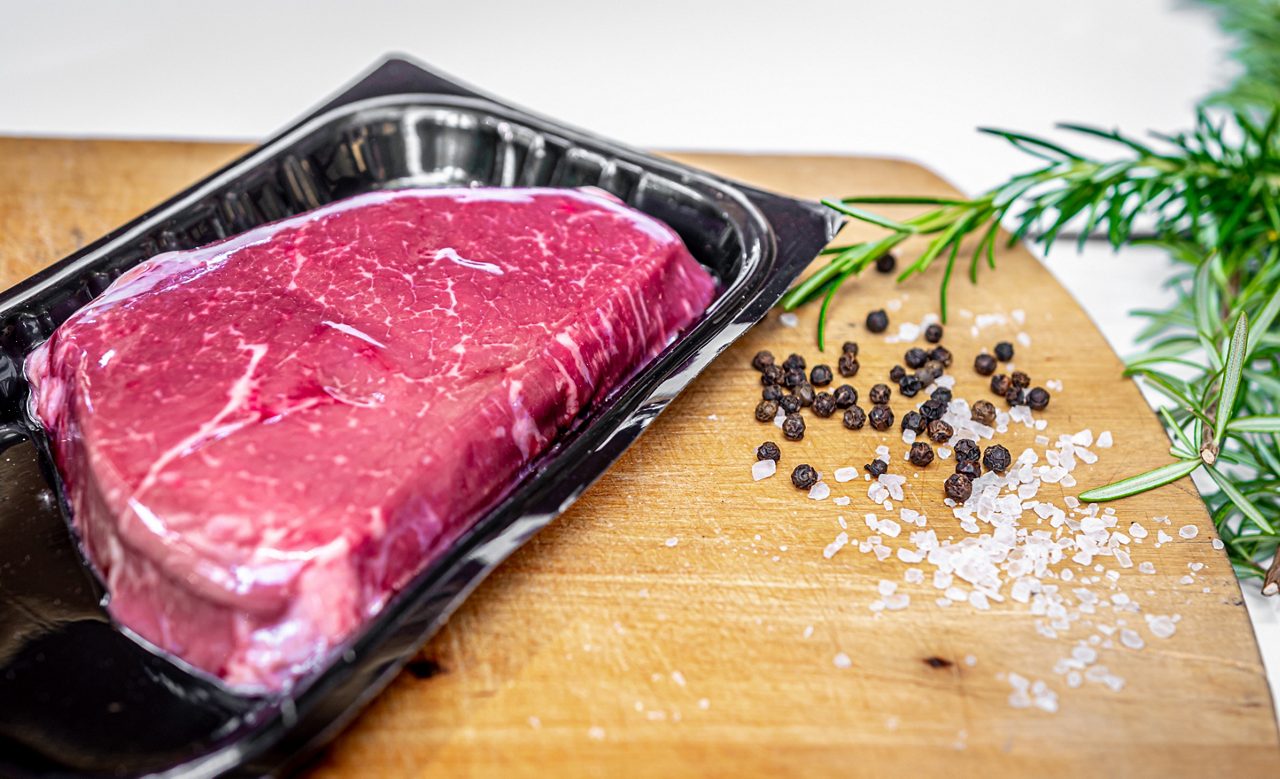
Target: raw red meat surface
(263, 439)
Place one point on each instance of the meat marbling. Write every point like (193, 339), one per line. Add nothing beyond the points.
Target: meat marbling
(263, 439)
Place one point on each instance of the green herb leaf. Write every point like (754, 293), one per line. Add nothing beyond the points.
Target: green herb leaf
(1140, 483)
(1241, 502)
(1255, 424)
(1231, 378)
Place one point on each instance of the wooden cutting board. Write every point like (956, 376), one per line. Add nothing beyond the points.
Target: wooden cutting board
(603, 649)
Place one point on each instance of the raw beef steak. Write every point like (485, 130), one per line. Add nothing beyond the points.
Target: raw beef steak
(263, 439)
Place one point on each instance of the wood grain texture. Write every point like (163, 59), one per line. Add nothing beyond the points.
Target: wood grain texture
(599, 650)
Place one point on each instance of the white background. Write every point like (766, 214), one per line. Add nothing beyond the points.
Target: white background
(906, 79)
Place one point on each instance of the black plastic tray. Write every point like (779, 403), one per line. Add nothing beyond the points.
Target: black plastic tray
(78, 694)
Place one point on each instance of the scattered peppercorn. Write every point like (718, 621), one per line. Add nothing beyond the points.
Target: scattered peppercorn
(941, 393)
(915, 357)
(933, 333)
(942, 354)
(984, 364)
(921, 454)
(847, 365)
(876, 468)
(996, 458)
(850, 348)
(768, 451)
(790, 404)
(804, 476)
(820, 376)
(969, 468)
(896, 373)
(845, 396)
(1015, 397)
(879, 394)
(806, 394)
(1019, 379)
(881, 417)
(1038, 398)
(1004, 351)
(958, 487)
(966, 451)
(772, 392)
(886, 262)
(983, 411)
(766, 411)
(940, 432)
(794, 362)
(878, 321)
(762, 360)
(855, 418)
(910, 386)
(793, 427)
(914, 422)
(932, 409)
(1000, 384)
(793, 379)
(824, 404)
(933, 368)
(771, 375)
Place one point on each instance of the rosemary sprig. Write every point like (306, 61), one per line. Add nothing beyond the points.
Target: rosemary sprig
(1211, 198)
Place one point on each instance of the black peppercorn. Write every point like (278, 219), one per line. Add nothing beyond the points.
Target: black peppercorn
(1015, 397)
(1019, 379)
(881, 417)
(996, 458)
(910, 386)
(790, 404)
(804, 476)
(942, 354)
(768, 451)
(794, 362)
(878, 321)
(1038, 398)
(958, 487)
(969, 468)
(806, 394)
(915, 357)
(1004, 351)
(793, 427)
(933, 369)
(879, 394)
(847, 365)
(966, 450)
(766, 411)
(845, 396)
(913, 421)
(1000, 384)
(855, 418)
(941, 393)
(984, 364)
(772, 392)
(983, 411)
(896, 373)
(762, 360)
(850, 348)
(921, 454)
(792, 379)
(932, 409)
(820, 376)
(933, 333)
(876, 468)
(940, 432)
(886, 262)
(824, 404)
(771, 375)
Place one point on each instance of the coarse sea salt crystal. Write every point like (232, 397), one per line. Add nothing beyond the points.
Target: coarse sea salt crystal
(1104, 440)
(1161, 626)
(841, 542)
(1162, 537)
(672, 541)
(763, 469)
(1217, 543)
(1188, 531)
(842, 660)
(788, 319)
(846, 474)
(819, 491)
